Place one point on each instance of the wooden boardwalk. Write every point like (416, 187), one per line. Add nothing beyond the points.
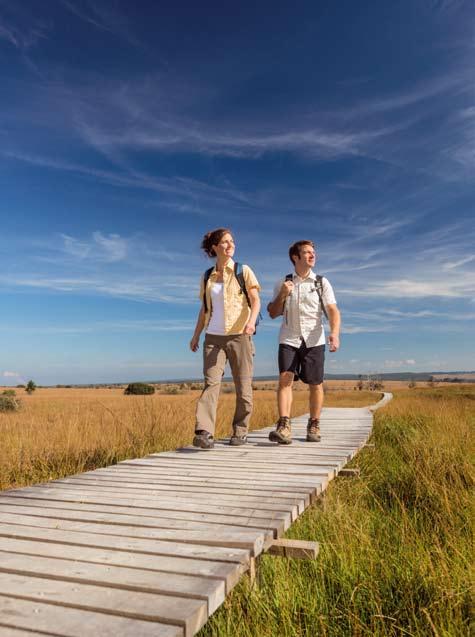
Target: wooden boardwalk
(152, 546)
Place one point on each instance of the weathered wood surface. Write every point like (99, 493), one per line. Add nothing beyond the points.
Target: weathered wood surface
(151, 546)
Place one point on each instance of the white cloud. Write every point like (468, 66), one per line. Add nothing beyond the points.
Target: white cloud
(7, 374)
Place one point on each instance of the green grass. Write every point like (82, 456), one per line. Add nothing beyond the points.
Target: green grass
(396, 544)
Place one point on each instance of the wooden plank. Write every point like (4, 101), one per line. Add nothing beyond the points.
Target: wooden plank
(167, 501)
(71, 622)
(252, 541)
(349, 473)
(230, 476)
(178, 498)
(194, 488)
(126, 506)
(270, 466)
(297, 549)
(132, 579)
(131, 520)
(139, 545)
(8, 631)
(228, 473)
(280, 520)
(193, 484)
(244, 458)
(190, 614)
(199, 570)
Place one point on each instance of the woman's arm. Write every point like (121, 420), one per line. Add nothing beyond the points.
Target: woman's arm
(255, 302)
(200, 323)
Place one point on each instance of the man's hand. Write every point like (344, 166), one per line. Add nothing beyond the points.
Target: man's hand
(286, 289)
(334, 342)
(250, 328)
(195, 343)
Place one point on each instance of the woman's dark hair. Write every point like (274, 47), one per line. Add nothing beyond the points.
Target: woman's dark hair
(294, 250)
(212, 238)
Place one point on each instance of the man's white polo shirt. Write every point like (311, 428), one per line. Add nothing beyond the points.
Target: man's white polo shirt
(303, 312)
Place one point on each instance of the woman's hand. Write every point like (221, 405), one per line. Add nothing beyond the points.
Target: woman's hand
(250, 328)
(195, 343)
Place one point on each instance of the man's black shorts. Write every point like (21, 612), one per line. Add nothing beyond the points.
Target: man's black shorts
(305, 362)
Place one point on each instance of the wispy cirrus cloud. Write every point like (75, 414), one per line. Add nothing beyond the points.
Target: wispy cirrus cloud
(20, 28)
(182, 187)
(103, 16)
(107, 248)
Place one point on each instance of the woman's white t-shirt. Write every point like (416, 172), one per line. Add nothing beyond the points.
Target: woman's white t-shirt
(216, 322)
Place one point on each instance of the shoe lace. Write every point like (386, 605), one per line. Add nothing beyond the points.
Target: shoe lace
(313, 426)
(283, 424)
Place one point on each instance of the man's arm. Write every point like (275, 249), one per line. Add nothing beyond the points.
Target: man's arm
(334, 319)
(255, 302)
(276, 307)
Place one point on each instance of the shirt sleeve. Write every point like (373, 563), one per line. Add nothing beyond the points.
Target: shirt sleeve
(250, 278)
(277, 287)
(327, 292)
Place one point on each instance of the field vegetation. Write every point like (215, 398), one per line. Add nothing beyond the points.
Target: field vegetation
(59, 432)
(396, 543)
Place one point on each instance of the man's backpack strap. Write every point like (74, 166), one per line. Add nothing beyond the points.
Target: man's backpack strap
(319, 289)
(206, 276)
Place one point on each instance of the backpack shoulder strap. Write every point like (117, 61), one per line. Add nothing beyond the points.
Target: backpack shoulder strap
(206, 276)
(239, 274)
(319, 289)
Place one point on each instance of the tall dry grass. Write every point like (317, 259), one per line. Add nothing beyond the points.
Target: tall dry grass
(396, 544)
(60, 432)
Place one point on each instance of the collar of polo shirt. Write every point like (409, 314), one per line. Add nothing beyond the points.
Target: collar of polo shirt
(229, 265)
(311, 275)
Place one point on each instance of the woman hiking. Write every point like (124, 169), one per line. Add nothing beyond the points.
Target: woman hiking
(230, 305)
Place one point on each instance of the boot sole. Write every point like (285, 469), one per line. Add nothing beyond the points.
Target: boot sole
(314, 439)
(199, 444)
(274, 437)
(237, 442)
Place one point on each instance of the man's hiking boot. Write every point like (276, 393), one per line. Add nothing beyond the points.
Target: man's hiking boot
(313, 430)
(283, 432)
(236, 440)
(203, 439)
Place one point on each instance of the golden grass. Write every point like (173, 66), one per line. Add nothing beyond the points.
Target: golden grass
(60, 432)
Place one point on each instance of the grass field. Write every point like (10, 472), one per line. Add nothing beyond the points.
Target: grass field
(396, 544)
(60, 432)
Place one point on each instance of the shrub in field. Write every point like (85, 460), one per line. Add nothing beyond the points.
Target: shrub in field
(30, 386)
(172, 390)
(9, 403)
(139, 389)
(8, 392)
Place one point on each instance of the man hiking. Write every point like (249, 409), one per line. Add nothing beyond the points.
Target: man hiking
(302, 298)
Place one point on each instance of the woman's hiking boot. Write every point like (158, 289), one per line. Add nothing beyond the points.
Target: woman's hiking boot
(283, 432)
(203, 439)
(313, 430)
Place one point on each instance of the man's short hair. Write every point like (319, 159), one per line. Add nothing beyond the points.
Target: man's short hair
(294, 250)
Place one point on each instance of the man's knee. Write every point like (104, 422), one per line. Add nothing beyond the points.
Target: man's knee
(286, 380)
(316, 388)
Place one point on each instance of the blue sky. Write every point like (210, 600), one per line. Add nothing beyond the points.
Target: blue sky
(128, 130)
